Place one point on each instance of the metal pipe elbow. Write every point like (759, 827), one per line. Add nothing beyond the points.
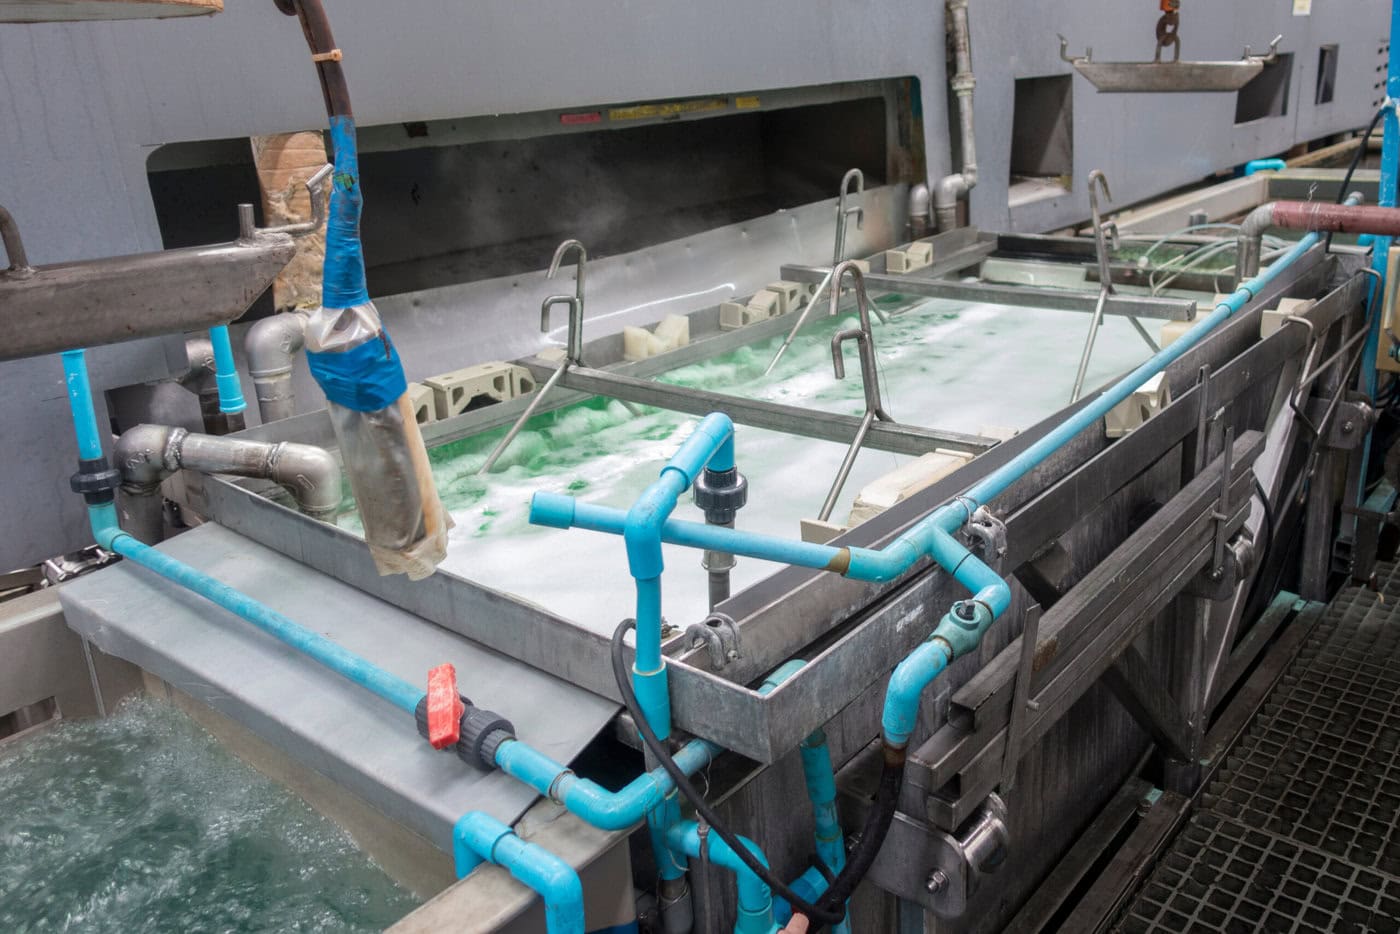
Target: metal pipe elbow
(920, 199)
(271, 344)
(145, 455)
(199, 373)
(310, 474)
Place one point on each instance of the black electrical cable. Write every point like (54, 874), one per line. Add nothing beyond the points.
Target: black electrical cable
(1355, 164)
(317, 28)
(663, 755)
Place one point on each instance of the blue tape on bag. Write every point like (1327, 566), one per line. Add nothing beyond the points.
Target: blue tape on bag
(343, 277)
(364, 378)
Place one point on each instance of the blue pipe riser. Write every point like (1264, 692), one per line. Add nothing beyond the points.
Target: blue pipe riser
(226, 372)
(477, 837)
(75, 378)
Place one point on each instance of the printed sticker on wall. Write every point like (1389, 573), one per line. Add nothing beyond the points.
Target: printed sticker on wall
(1302, 7)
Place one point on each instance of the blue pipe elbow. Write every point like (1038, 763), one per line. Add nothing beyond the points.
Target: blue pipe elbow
(479, 837)
(1264, 165)
(755, 914)
(911, 676)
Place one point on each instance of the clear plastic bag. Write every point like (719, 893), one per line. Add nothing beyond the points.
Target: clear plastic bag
(384, 456)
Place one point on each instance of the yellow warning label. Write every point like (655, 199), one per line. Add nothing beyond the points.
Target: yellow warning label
(668, 109)
(746, 103)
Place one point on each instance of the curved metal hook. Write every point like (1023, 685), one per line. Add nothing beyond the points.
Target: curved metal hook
(1270, 58)
(1096, 177)
(1086, 59)
(843, 211)
(849, 270)
(575, 346)
(865, 340)
(580, 265)
(14, 246)
(316, 191)
(1098, 180)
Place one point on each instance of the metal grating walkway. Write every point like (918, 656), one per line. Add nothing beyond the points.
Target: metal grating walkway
(1299, 831)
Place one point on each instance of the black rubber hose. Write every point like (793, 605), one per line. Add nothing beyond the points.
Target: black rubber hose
(317, 29)
(663, 755)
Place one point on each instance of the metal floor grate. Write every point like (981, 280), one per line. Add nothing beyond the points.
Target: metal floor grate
(1299, 830)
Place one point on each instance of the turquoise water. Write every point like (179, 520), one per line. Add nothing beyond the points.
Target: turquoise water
(142, 822)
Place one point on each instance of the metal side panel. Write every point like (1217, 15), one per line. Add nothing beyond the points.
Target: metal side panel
(317, 717)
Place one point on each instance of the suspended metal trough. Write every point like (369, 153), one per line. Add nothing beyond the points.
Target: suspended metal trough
(1157, 77)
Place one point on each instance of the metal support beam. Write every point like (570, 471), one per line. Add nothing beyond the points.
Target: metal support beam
(882, 436)
(1138, 306)
(1137, 686)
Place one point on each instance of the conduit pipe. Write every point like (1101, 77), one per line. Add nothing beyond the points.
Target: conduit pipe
(952, 187)
(1349, 217)
(271, 344)
(147, 454)
(479, 838)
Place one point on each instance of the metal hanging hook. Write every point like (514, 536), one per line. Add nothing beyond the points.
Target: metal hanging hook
(869, 375)
(862, 335)
(573, 355)
(843, 211)
(580, 266)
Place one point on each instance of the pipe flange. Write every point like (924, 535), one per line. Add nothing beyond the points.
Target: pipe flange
(477, 727)
(720, 634)
(720, 494)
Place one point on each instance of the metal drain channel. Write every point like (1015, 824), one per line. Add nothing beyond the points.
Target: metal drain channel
(1300, 830)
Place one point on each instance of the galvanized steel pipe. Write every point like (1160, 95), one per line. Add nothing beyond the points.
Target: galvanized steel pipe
(952, 187)
(271, 345)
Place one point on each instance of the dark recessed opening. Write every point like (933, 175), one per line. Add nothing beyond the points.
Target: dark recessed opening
(1042, 130)
(458, 213)
(483, 206)
(1326, 74)
(28, 717)
(1267, 94)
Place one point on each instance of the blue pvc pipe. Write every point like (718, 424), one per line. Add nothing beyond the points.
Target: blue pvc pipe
(109, 535)
(479, 837)
(712, 443)
(821, 791)
(225, 372)
(1264, 165)
(755, 909)
(608, 810)
(75, 377)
